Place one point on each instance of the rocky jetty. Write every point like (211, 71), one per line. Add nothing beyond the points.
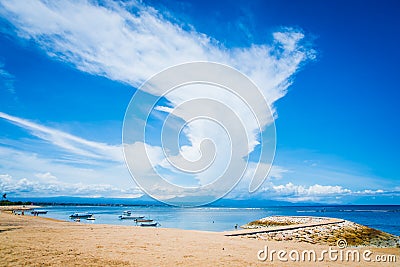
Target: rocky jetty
(273, 221)
(354, 234)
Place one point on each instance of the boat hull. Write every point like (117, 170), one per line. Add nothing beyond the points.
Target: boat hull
(144, 220)
(121, 217)
(39, 212)
(80, 216)
(149, 224)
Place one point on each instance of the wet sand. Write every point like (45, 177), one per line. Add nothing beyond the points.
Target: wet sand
(36, 241)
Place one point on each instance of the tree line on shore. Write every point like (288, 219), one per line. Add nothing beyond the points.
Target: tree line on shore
(5, 202)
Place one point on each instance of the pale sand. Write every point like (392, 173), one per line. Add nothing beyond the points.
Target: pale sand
(18, 207)
(35, 241)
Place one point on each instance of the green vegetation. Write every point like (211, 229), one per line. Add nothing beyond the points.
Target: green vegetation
(5, 202)
(10, 203)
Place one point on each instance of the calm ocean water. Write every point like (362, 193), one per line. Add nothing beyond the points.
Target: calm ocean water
(385, 218)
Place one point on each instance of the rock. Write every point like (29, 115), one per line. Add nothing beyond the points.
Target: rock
(278, 237)
(288, 238)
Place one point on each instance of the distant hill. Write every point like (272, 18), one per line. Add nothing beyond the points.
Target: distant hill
(146, 200)
(67, 200)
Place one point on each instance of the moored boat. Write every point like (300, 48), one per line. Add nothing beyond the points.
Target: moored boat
(127, 213)
(144, 220)
(130, 217)
(147, 224)
(80, 215)
(37, 212)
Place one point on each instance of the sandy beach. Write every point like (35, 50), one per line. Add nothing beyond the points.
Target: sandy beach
(18, 207)
(36, 241)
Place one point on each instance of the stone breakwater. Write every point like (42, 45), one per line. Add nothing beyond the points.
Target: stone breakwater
(356, 235)
(273, 221)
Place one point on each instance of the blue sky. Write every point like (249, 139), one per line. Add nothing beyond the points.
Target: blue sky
(63, 99)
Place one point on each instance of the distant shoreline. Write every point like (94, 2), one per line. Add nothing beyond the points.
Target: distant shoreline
(18, 207)
(148, 201)
(133, 203)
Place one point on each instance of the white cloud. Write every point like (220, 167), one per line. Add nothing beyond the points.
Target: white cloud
(316, 193)
(79, 172)
(26, 187)
(313, 190)
(372, 192)
(126, 46)
(297, 193)
(7, 79)
(5, 178)
(131, 46)
(277, 172)
(46, 176)
(130, 42)
(69, 142)
(42, 169)
(164, 109)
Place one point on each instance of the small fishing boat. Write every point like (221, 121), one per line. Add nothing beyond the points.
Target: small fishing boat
(154, 224)
(148, 224)
(37, 212)
(130, 217)
(144, 220)
(92, 218)
(80, 215)
(127, 213)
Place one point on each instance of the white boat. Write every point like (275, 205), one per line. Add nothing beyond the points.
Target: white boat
(92, 218)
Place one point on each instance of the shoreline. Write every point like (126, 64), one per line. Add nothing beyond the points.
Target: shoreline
(30, 240)
(18, 207)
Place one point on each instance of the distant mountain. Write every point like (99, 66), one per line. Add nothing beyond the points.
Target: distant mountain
(255, 203)
(251, 203)
(65, 200)
(146, 200)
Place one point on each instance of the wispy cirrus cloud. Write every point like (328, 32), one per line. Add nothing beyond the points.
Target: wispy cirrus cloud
(87, 168)
(41, 171)
(7, 79)
(130, 42)
(66, 141)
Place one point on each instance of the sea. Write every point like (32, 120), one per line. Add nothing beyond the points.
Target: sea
(385, 218)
